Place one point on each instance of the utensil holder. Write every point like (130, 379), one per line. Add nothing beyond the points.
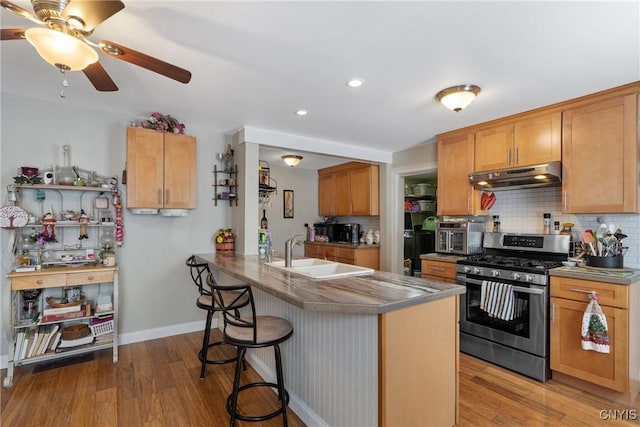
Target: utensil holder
(605, 261)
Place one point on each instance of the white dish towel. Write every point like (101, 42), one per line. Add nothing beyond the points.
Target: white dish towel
(594, 333)
(497, 299)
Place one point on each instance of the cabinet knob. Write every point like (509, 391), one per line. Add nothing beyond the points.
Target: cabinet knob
(90, 278)
(39, 281)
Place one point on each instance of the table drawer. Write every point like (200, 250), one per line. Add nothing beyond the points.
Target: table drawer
(89, 277)
(609, 294)
(38, 281)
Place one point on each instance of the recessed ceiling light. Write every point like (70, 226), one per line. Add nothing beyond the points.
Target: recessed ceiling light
(355, 83)
(302, 112)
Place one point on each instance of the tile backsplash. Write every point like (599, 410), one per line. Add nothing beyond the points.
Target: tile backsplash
(522, 211)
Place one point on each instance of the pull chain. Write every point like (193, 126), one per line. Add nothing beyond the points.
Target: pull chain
(65, 83)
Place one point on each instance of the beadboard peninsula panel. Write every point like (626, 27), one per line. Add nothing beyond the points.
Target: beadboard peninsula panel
(330, 362)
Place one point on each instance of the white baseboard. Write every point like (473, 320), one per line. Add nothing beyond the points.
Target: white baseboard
(305, 413)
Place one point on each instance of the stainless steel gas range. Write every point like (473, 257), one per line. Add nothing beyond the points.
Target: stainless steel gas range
(504, 315)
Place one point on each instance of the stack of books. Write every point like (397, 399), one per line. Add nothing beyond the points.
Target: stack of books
(60, 314)
(34, 342)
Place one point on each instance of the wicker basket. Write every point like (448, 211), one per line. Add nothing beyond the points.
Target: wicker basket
(74, 332)
(57, 302)
(225, 248)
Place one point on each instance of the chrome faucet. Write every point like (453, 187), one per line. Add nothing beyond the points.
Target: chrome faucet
(288, 248)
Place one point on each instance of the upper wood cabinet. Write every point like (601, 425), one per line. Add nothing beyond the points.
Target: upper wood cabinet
(455, 162)
(527, 141)
(600, 156)
(349, 189)
(161, 170)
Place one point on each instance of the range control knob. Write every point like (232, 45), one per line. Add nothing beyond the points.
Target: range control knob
(516, 276)
(495, 273)
(528, 278)
(467, 269)
(476, 270)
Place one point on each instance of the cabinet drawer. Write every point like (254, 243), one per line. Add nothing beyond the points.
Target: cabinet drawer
(38, 281)
(345, 253)
(89, 277)
(609, 294)
(446, 270)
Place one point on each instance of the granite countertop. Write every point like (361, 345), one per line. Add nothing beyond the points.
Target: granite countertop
(620, 276)
(377, 293)
(345, 245)
(441, 257)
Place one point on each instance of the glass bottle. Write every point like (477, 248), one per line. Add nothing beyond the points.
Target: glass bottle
(546, 224)
(264, 223)
(65, 175)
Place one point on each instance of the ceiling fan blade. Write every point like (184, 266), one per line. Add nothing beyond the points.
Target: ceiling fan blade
(19, 11)
(12, 33)
(145, 61)
(99, 78)
(93, 12)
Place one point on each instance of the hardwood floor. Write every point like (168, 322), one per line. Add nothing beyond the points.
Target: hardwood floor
(156, 383)
(493, 396)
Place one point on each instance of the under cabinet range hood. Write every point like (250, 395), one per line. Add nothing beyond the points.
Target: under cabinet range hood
(524, 177)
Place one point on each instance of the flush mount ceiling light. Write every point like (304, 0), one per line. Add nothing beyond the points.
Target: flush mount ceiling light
(355, 83)
(291, 160)
(302, 112)
(458, 97)
(61, 50)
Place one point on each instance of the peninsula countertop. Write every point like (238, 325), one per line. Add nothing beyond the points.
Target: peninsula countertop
(377, 293)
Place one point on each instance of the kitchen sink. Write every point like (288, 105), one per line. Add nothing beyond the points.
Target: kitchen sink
(321, 269)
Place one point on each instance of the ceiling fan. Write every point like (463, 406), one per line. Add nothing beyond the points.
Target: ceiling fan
(62, 39)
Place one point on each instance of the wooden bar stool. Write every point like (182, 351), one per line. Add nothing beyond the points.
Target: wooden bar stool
(252, 331)
(206, 301)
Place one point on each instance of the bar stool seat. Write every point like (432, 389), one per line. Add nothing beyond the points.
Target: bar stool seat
(206, 301)
(252, 331)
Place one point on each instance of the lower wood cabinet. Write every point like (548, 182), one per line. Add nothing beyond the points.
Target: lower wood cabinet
(615, 370)
(361, 256)
(443, 271)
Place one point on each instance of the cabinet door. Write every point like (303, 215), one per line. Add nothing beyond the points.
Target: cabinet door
(342, 193)
(364, 191)
(537, 140)
(455, 163)
(325, 194)
(145, 168)
(179, 171)
(600, 157)
(494, 148)
(608, 370)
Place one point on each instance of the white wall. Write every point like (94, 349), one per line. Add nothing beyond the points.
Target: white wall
(155, 289)
(304, 183)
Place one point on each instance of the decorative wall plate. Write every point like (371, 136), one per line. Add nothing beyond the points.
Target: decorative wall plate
(12, 217)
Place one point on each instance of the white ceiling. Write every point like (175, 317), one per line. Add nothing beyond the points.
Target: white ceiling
(255, 63)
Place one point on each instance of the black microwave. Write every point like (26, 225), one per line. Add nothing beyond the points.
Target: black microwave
(326, 230)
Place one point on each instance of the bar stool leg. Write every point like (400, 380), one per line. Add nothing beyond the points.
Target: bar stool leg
(205, 343)
(236, 386)
(280, 380)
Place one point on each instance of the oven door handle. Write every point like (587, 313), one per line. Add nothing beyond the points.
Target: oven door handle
(534, 291)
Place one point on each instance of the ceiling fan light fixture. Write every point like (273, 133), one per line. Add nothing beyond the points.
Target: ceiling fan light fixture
(61, 50)
(291, 160)
(458, 97)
